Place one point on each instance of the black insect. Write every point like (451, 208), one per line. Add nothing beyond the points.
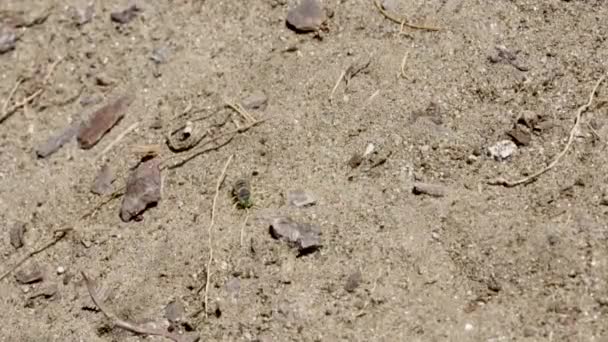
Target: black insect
(241, 191)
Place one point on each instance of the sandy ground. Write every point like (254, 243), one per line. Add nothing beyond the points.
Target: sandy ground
(478, 263)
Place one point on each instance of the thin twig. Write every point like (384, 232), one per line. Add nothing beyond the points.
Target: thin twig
(403, 62)
(577, 120)
(118, 139)
(60, 234)
(10, 96)
(220, 180)
(342, 74)
(402, 21)
(239, 109)
(132, 327)
(7, 113)
(196, 152)
(242, 236)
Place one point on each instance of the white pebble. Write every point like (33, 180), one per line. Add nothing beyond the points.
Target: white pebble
(468, 327)
(60, 270)
(502, 150)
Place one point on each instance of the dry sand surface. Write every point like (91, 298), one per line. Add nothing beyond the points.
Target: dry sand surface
(399, 135)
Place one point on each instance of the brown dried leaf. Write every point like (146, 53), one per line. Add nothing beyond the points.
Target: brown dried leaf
(102, 121)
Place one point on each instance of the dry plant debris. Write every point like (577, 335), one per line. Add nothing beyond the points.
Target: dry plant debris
(102, 120)
(140, 329)
(59, 235)
(8, 111)
(143, 190)
(402, 21)
(307, 16)
(577, 119)
(220, 180)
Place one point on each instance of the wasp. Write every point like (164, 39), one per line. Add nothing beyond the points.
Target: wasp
(241, 192)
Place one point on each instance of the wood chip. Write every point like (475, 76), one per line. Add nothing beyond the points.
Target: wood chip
(143, 190)
(102, 121)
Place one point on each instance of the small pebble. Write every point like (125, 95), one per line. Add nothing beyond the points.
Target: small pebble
(60, 270)
(30, 275)
(353, 281)
(468, 327)
(16, 235)
(355, 160)
(300, 198)
(55, 142)
(83, 15)
(160, 55)
(103, 181)
(8, 40)
(175, 311)
(433, 190)
(256, 101)
(143, 190)
(305, 17)
(519, 136)
(125, 16)
(502, 150)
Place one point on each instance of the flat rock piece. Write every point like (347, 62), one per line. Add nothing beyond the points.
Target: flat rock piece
(143, 190)
(300, 198)
(30, 275)
(303, 236)
(433, 190)
(305, 17)
(103, 181)
(16, 235)
(102, 121)
(55, 142)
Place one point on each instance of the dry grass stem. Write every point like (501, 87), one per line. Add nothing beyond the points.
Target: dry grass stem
(573, 130)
